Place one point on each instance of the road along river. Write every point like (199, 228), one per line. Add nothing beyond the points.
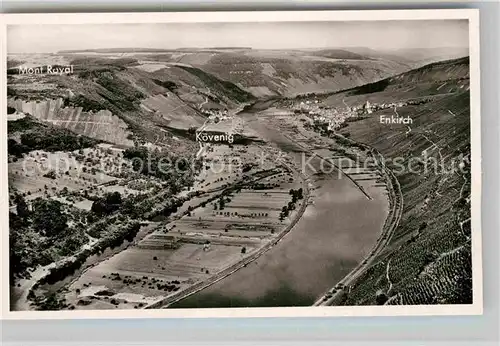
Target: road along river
(336, 232)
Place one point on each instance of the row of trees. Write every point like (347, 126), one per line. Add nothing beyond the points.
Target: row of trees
(221, 203)
(296, 195)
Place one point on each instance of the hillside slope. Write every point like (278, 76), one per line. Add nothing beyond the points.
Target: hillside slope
(292, 73)
(413, 57)
(267, 73)
(121, 101)
(28, 134)
(443, 78)
(428, 260)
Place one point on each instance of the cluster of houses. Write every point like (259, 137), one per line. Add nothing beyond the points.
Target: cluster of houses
(216, 115)
(331, 116)
(334, 118)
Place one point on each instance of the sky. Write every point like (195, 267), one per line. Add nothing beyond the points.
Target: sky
(386, 35)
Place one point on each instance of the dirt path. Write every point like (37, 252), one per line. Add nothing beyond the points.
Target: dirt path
(434, 145)
(387, 276)
(461, 193)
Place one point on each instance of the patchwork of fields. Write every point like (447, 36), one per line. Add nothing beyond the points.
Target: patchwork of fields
(215, 235)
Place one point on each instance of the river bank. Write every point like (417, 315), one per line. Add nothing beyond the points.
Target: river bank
(337, 230)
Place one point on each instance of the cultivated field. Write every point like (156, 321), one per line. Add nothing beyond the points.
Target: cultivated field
(91, 171)
(209, 238)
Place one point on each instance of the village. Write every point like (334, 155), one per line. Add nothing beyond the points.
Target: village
(334, 118)
(216, 115)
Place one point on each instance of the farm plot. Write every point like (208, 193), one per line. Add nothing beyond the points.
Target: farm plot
(245, 206)
(187, 225)
(143, 276)
(365, 177)
(222, 166)
(223, 126)
(359, 170)
(41, 173)
(80, 202)
(225, 165)
(229, 231)
(264, 157)
(266, 200)
(150, 66)
(245, 218)
(97, 171)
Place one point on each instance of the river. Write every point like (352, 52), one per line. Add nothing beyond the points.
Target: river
(333, 236)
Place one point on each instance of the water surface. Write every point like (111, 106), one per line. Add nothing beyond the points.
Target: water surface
(331, 238)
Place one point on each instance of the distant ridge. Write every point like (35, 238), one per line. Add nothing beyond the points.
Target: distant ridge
(227, 48)
(146, 50)
(116, 50)
(340, 54)
(419, 73)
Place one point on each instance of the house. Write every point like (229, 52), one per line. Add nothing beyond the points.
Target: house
(367, 107)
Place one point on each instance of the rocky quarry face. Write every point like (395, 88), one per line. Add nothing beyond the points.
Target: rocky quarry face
(102, 125)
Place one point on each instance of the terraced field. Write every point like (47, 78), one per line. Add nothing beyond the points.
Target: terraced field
(417, 266)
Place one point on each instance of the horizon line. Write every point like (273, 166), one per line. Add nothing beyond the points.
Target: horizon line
(139, 49)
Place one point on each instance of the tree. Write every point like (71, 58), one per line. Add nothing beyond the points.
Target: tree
(99, 207)
(381, 298)
(48, 217)
(110, 203)
(21, 207)
(23, 247)
(300, 193)
(51, 175)
(114, 198)
(51, 303)
(284, 211)
(72, 243)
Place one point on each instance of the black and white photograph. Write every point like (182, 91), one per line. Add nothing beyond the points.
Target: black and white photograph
(241, 164)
